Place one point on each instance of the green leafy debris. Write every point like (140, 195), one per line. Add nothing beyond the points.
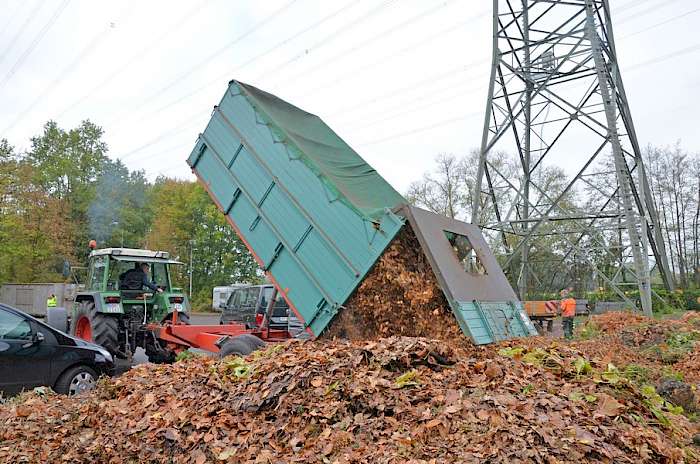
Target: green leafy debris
(582, 366)
(407, 379)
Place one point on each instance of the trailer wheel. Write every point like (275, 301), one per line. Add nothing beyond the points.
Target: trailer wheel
(237, 345)
(255, 342)
(95, 327)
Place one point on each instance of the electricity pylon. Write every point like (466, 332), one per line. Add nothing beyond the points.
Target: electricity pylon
(556, 98)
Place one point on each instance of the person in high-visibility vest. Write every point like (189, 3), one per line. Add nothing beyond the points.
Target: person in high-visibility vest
(51, 301)
(568, 312)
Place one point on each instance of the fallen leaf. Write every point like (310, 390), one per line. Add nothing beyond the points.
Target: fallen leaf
(493, 371)
(609, 406)
(433, 423)
(172, 434)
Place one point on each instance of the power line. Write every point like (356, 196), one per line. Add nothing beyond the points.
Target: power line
(188, 122)
(28, 51)
(668, 56)
(228, 74)
(390, 56)
(658, 59)
(342, 55)
(213, 55)
(32, 15)
(329, 38)
(421, 129)
(674, 18)
(180, 146)
(412, 87)
(222, 76)
(364, 103)
(137, 56)
(416, 108)
(648, 10)
(456, 71)
(91, 45)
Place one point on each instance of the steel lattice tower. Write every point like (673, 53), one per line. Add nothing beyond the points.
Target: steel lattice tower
(556, 99)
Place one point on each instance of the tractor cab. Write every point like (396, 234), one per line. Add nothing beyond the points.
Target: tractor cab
(127, 289)
(136, 281)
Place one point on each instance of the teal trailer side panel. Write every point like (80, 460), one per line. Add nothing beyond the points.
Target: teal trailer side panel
(315, 248)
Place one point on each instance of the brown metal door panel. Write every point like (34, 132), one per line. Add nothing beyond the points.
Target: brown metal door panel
(458, 284)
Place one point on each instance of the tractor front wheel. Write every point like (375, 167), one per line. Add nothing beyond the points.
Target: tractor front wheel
(95, 327)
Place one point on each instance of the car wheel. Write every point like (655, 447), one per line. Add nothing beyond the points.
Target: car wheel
(76, 380)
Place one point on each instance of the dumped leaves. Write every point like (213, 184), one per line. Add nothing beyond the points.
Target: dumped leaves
(393, 400)
(399, 296)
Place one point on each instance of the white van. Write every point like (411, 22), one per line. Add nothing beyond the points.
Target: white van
(220, 295)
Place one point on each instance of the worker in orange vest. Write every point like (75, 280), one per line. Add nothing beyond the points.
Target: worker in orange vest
(568, 311)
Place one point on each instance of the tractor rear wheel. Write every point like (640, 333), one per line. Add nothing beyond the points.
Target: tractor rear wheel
(95, 327)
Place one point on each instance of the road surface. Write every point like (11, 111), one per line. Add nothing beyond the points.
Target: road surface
(204, 318)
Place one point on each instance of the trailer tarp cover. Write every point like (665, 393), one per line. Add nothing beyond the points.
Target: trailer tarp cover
(309, 138)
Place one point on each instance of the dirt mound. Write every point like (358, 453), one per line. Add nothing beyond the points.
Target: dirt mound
(400, 296)
(387, 401)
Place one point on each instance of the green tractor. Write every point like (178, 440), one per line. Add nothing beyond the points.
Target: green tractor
(115, 309)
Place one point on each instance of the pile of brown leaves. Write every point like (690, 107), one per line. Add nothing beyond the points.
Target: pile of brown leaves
(399, 296)
(616, 320)
(387, 401)
(661, 346)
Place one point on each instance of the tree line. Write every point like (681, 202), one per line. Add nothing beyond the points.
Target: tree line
(64, 191)
(674, 177)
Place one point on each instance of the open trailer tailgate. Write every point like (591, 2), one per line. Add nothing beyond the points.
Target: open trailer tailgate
(479, 294)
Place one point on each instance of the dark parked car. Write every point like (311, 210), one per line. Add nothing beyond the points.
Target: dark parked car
(249, 304)
(32, 354)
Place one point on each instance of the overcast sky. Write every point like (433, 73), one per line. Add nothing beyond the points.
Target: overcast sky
(401, 81)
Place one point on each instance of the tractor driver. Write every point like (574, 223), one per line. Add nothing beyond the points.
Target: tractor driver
(137, 278)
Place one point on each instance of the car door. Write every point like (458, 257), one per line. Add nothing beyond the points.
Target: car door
(25, 361)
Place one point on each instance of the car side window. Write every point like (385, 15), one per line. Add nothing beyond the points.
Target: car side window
(251, 296)
(14, 327)
(234, 301)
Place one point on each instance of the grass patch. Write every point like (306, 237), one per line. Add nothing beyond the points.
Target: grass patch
(588, 331)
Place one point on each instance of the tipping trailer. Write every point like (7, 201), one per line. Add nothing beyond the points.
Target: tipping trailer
(317, 217)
